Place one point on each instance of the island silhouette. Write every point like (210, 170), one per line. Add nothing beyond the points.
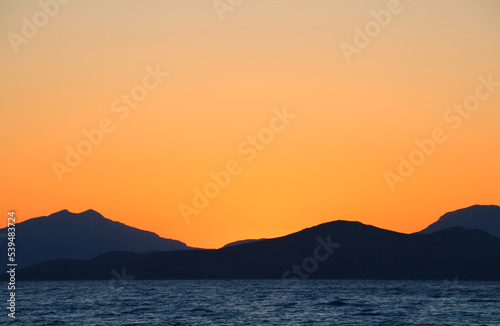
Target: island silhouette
(463, 244)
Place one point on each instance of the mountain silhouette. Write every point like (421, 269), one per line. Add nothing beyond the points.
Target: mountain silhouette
(241, 242)
(486, 218)
(334, 250)
(80, 236)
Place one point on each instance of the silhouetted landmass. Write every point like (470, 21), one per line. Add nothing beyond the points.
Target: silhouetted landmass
(80, 236)
(365, 252)
(241, 242)
(486, 218)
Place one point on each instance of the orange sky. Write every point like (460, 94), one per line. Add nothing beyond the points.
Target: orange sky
(352, 120)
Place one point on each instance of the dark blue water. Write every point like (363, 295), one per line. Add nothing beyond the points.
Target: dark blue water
(265, 302)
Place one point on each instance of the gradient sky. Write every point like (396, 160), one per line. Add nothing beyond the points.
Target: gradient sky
(353, 120)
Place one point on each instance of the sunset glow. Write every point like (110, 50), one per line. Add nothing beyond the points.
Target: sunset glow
(210, 126)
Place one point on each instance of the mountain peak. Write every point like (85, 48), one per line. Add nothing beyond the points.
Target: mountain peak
(61, 212)
(67, 212)
(483, 217)
(91, 212)
(84, 235)
(474, 209)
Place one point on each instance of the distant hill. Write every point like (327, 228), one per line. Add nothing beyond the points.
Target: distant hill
(241, 242)
(335, 250)
(486, 218)
(80, 236)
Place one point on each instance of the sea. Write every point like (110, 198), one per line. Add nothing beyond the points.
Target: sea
(255, 302)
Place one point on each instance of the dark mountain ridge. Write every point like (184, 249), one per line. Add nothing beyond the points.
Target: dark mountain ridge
(81, 236)
(241, 242)
(334, 250)
(486, 218)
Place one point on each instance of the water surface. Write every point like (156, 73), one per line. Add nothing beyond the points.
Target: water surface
(261, 302)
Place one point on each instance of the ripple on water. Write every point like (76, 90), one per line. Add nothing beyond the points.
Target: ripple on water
(253, 303)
